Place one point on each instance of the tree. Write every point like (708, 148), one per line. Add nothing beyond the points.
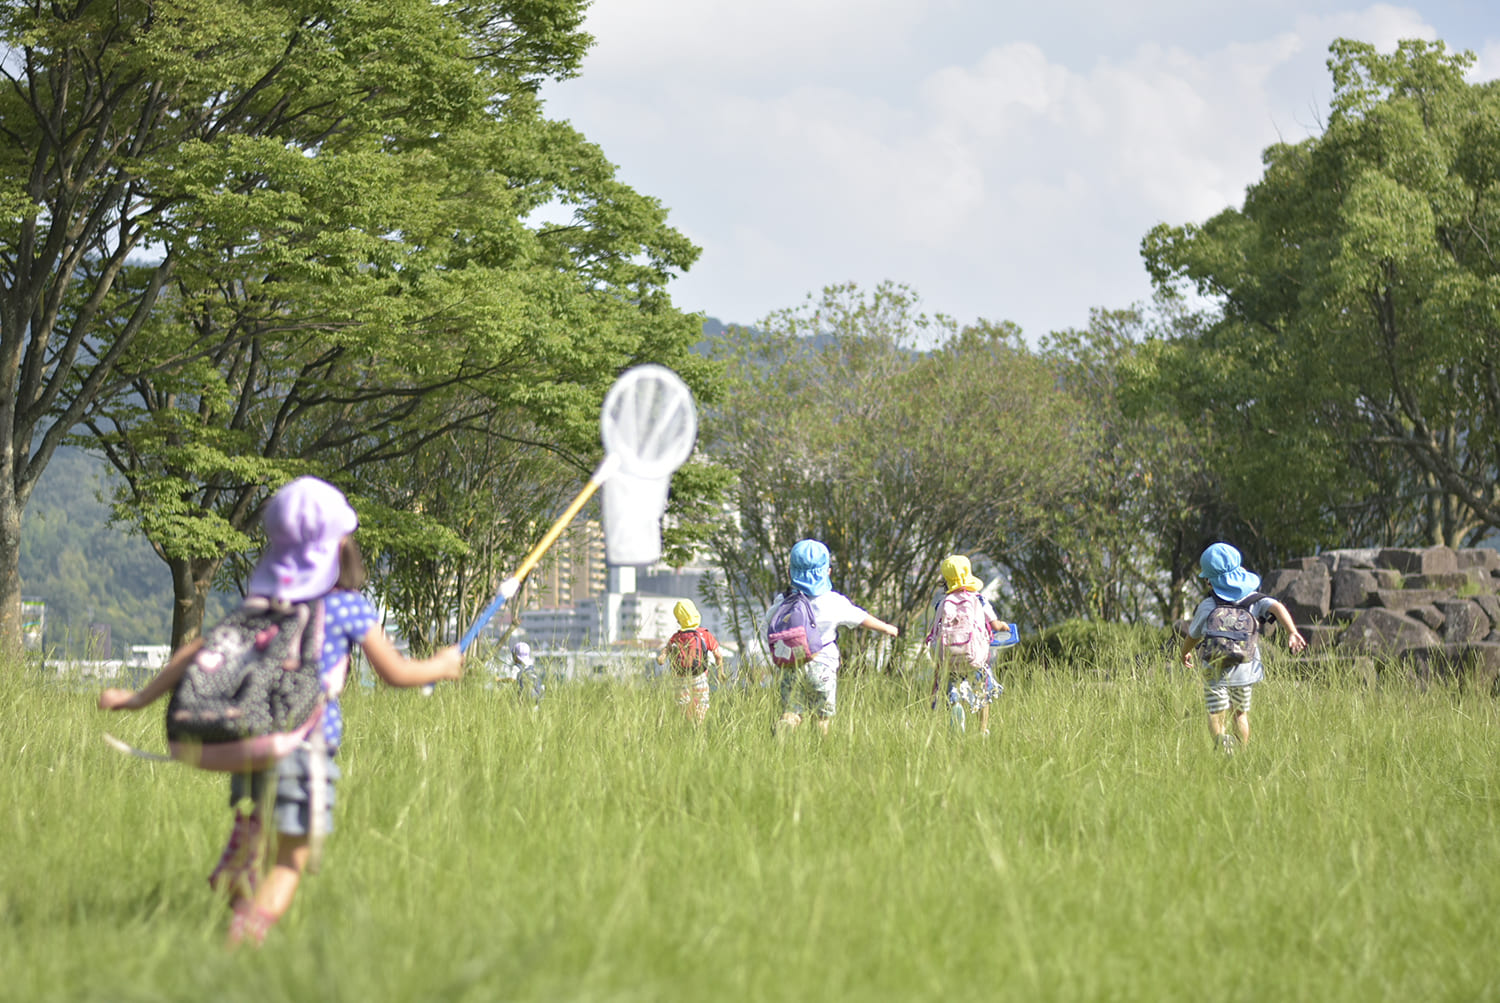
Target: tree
(269, 238)
(140, 140)
(1113, 545)
(837, 426)
(1351, 379)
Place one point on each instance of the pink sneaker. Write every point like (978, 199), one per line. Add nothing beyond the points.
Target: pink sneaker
(238, 870)
(249, 924)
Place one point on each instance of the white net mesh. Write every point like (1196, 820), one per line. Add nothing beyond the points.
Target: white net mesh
(648, 427)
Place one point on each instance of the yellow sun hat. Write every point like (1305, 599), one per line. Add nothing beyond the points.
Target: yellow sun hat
(686, 614)
(958, 576)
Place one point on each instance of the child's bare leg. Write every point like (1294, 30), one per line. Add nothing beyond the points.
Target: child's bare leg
(823, 723)
(1242, 726)
(276, 891)
(984, 720)
(252, 920)
(1216, 726)
(789, 720)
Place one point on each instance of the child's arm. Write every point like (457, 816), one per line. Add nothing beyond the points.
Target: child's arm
(397, 670)
(874, 623)
(1283, 616)
(1189, 642)
(164, 681)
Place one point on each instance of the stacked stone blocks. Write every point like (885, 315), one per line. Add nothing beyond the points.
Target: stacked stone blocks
(1433, 611)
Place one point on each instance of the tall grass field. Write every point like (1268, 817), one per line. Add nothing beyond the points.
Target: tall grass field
(1095, 847)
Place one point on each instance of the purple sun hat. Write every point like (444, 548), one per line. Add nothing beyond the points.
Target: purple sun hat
(1221, 565)
(305, 522)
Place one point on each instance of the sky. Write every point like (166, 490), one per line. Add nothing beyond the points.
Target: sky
(1003, 160)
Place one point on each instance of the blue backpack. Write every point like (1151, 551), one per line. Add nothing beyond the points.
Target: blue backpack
(792, 634)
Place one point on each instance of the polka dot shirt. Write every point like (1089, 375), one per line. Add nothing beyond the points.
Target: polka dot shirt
(347, 618)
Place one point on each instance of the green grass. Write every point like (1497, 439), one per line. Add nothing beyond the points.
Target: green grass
(599, 849)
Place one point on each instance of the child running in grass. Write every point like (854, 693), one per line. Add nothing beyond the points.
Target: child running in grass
(1226, 623)
(963, 621)
(812, 685)
(692, 650)
(310, 554)
(528, 676)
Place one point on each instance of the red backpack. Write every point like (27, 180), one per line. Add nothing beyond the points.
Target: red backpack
(688, 650)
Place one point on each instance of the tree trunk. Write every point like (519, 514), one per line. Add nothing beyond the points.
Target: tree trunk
(10, 573)
(192, 579)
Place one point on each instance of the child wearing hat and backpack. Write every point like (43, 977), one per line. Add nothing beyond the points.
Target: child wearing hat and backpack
(691, 650)
(1226, 628)
(310, 557)
(528, 676)
(963, 621)
(809, 666)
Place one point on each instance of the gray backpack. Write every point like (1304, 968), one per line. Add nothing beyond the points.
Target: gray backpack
(255, 677)
(1231, 633)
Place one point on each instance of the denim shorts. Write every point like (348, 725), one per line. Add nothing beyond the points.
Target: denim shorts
(292, 808)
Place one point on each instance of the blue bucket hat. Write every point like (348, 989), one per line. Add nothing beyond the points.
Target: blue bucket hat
(1220, 564)
(810, 562)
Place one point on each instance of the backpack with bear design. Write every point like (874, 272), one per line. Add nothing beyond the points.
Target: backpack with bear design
(252, 692)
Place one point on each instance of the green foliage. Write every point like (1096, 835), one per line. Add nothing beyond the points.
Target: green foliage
(1111, 648)
(1349, 378)
(838, 427)
(1095, 847)
(357, 211)
(1111, 547)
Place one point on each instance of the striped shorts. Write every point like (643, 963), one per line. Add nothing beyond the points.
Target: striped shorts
(1219, 697)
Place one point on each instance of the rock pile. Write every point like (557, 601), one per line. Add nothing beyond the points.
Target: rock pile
(1434, 610)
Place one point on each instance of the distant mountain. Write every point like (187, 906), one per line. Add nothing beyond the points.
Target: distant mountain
(104, 587)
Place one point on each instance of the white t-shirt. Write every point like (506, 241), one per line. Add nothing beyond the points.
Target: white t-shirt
(831, 610)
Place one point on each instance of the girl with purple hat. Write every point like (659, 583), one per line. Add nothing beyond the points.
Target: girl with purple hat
(310, 556)
(1230, 676)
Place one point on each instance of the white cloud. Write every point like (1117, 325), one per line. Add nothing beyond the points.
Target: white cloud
(1016, 183)
(768, 39)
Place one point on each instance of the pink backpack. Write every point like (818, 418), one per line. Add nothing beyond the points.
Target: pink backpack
(960, 632)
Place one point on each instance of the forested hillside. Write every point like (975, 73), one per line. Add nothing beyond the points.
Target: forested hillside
(87, 571)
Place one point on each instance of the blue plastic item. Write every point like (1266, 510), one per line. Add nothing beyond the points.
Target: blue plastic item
(1011, 636)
